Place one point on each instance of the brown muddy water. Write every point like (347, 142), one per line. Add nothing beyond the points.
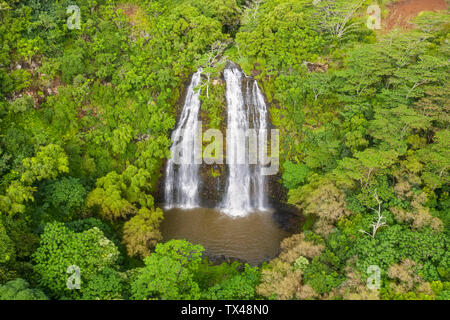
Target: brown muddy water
(254, 238)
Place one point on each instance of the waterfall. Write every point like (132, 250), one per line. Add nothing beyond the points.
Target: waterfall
(182, 172)
(245, 190)
(260, 123)
(245, 148)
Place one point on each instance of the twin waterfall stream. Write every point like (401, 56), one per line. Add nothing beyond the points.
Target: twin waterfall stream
(181, 185)
(245, 191)
(228, 214)
(243, 178)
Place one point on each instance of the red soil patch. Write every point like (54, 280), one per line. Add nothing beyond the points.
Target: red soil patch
(402, 12)
(129, 10)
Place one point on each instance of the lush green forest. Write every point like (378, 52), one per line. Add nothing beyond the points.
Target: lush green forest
(85, 121)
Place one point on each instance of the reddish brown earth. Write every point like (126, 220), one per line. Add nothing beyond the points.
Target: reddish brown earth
(402, 12)
(129, 10)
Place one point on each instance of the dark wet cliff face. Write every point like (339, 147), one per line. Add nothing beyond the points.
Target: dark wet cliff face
(213, 184)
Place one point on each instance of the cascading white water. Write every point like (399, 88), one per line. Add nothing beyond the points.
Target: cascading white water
(246, 120)
(182, 172)
(245, 190)
(237, 197)
(260, 124)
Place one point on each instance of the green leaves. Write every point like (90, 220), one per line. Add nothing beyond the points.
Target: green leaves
(141, 232)
(16, 194)
(22, 104)
(108, 196)
(7, 250)
(120, 139)
(294, 175)
(72, 64)
(436, 160)
(99, 103)
(186, 253)
(396, 243)
(118, 196)
(169, 273)
(50, 161)
(280, 32)
(19, 289)
(238, 287)
(108, 284)
(65, 196)
(60, 248)
(392, 126)
(365, 167)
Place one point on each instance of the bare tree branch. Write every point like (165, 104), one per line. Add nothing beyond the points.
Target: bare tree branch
(379, 222)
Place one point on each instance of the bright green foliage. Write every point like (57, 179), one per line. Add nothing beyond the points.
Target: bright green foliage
(165, 278)
(395, 243)
(49, 161)
(279, 33)
(89, 223)
(120, 195)
(321, 277)
(441, 289)
(238, 287)
(436, 160)
(60, 248)
(213, 104)
(301, 263)
(169, 272)
(185, 253)
(19, 289)
(16, 194)
(366, 165)
(72, 64)
(105, 285)
(294, 174)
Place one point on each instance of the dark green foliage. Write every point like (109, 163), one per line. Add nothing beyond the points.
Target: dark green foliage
(105, 285)
(239, 287)
(19, 289)
(17, 243)
(89, 223)
(65, 198)
(321, 277)
(72, 64)
(7, 250)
